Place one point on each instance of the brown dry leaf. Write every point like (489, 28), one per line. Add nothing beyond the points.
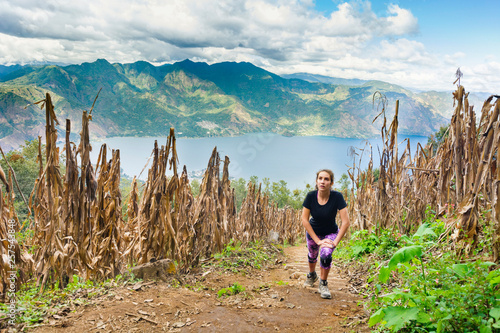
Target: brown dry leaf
(137, 286)
(143, 313)
(178, 324)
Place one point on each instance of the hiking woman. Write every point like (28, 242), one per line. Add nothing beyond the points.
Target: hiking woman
(322, 233)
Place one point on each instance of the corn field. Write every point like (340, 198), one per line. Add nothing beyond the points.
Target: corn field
(464, 173)
(79, 228)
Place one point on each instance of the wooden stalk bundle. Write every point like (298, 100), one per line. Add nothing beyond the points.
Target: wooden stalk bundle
(16, 264)
(54, 252)
(106, 212)
(211, 224)
(463, 173)
(77, 222)
(157, 236)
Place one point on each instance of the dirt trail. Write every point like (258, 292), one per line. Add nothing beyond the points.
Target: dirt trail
(274, 300)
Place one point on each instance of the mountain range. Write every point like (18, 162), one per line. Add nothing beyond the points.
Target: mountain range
(199, 100)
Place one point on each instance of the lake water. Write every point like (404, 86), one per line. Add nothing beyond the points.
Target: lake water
(265, 155)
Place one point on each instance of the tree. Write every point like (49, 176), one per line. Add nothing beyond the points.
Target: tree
(376, 174)
(24, 163)
(344, 183)
(240, 191)
(195, 187)
(255, 180)
(280, 194)
(438, 138)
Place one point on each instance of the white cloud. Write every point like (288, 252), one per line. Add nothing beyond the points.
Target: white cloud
(283, 36)
(402, 21)
(347, 21)
(454, 59)
(409, 51)
(483, 76)
(15, 50)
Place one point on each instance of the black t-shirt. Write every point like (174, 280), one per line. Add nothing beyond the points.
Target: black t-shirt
(323, 216)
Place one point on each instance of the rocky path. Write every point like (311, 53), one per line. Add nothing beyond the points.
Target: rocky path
(273, 300)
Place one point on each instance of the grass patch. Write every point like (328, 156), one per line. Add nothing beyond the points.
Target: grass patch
(238, 258)
(235, 289)
(33, 306)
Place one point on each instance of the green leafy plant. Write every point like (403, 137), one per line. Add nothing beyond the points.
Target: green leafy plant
(363, 243)
(367, 243)
(281, 283)
(441, 295)
(236, 257)
(463, 298)
(196, 287)
(236, 288)
(403, 255)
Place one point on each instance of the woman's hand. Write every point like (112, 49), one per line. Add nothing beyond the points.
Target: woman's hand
(326, 243)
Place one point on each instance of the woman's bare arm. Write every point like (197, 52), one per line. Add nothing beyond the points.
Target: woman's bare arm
(306, 213)
(344, 216)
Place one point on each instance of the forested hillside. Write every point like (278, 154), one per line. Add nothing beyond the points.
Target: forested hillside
(198, 99)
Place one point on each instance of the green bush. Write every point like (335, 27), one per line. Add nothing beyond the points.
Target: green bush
(235, 257)
(437, 293)
(363, 242)
(236, 288)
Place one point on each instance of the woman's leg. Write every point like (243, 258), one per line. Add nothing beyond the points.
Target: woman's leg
(312, 255)
(326, 258)
(323, 273)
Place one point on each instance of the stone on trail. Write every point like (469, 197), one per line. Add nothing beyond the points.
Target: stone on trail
(157, 270)
(273, 236)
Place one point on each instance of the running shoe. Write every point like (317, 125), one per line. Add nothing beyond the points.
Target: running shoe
(323, 289)
(311, 278)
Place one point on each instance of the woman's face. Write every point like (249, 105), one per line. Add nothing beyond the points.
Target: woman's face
(323, 181)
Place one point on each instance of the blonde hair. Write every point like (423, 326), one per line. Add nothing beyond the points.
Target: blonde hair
(328, 171)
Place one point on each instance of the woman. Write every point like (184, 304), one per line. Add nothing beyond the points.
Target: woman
(322, 233)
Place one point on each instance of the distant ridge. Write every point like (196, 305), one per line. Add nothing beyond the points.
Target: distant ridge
(198, 99)
(324, 79)
(4, 70)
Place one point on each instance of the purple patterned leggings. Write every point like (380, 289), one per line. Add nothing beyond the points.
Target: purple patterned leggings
(325, 254)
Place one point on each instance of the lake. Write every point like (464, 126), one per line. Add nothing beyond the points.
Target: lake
(265, 155)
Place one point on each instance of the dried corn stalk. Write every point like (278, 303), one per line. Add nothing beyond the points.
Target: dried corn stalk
(463, 173)
(77, 217)
(16, 264)
(54, 251)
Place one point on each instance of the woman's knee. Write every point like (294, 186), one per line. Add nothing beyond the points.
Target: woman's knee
(326, 261)
(312, 260)
(326, 257)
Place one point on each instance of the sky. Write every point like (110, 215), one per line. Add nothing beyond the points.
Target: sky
(418, 44)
